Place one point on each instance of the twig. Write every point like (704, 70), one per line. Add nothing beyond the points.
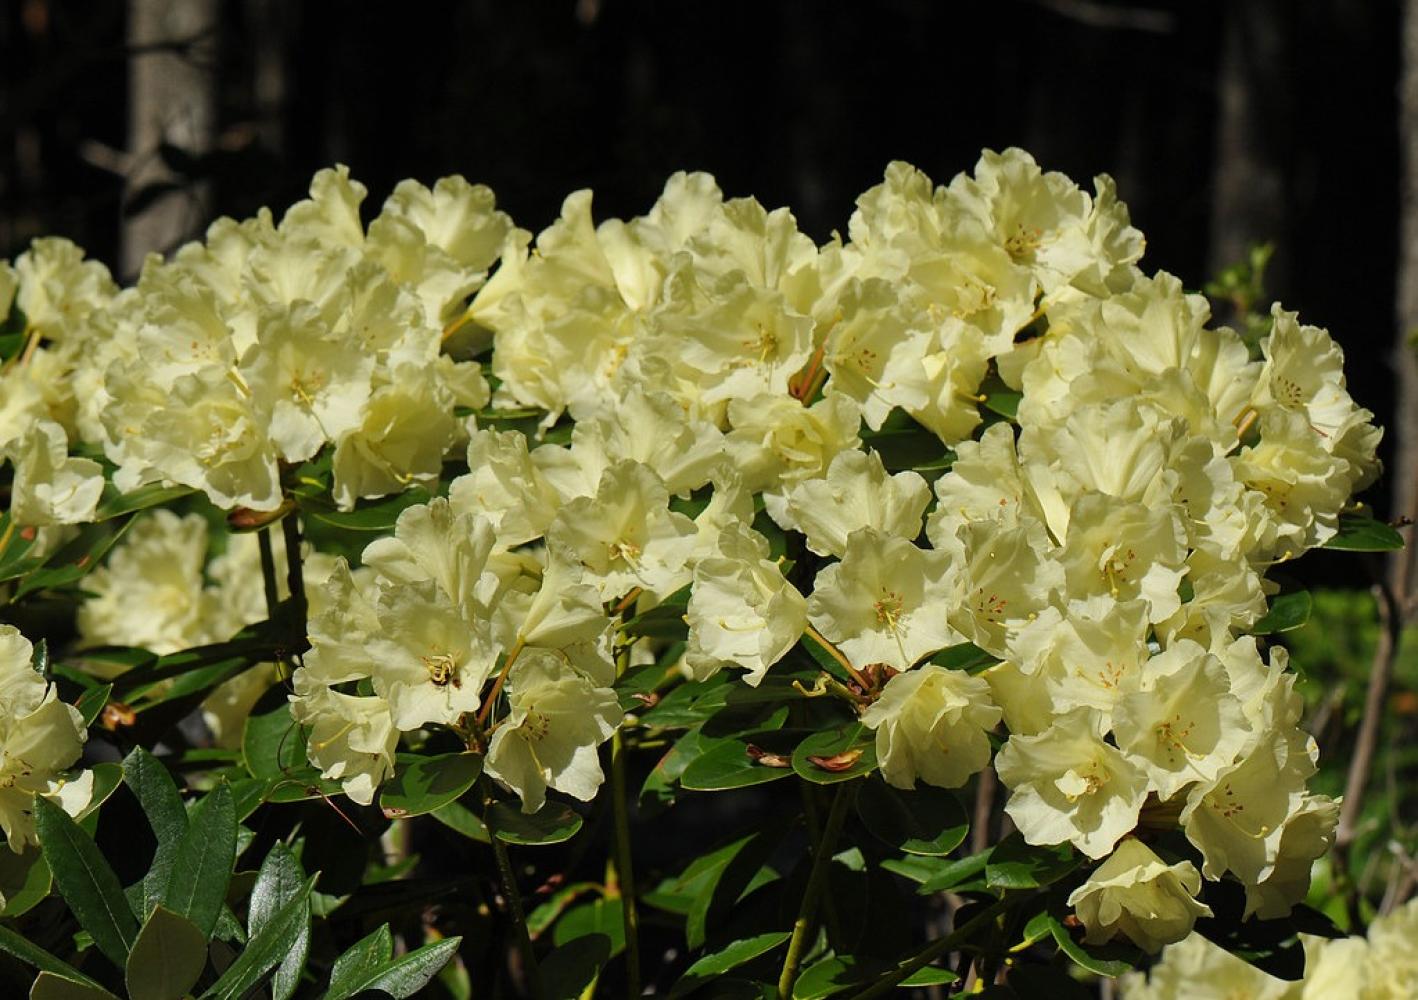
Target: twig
(931, 952)
(821, 860)
(1385, 652)
(985, 786)
(514, 898)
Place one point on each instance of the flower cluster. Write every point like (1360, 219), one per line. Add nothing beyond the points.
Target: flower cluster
(712, 389)
(1378, 966)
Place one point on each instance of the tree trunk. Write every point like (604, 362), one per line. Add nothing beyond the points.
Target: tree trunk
(171, 101)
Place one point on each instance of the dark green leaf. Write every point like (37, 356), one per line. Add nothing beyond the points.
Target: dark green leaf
(202, 863)
(91, 702)
(664, 621)
(1273, 946)
(33, 955)
(1364, 534)
(570, 969)
(721, 878)
(86, 882)
(264, 950)
(903, 443)
(460, 818)
(279, 881)
(709, 967)
(547, 913)
(1015, 864)
(551, 824)
(1287, 611)
(24, 880)
(379, 516)
(1111, 959)
(408, 974)
(113, 503)
(167, 958)
(273, 745)
(728, 763)
(161, 803)
(49, 986)
(360, 962)
(953, 874)
(1005, 402)
(107, 777)
(422, 784)
(74, 560)
(835, 975)
(926, 820)
(836, 755)
(965, 656)
(603, 917)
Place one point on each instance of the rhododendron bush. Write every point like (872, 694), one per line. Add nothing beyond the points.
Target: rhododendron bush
(415, 582)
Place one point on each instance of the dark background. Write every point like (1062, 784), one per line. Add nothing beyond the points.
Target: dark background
(796, 103)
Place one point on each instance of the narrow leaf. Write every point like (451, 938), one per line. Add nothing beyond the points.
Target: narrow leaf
(86, 882)
(202, 863)
(161, 803)
(265, 950)
(407, 975)
(1364, 534)
(280, 881)
(49, 986)
(360, 963)
(33, 955)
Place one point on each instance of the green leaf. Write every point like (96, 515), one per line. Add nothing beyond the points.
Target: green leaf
(359, 962)
(843, 972)
(91, 702)
(49, 986)
(731, 956)
(721, 878)
(161, 803)
(664, 621)
(107, 777)
(379, 516)
(33, 955)
(201, 865)
(841, 754)
(903, 443)
(167, 958)
(728, 763)
(25, 880)
(264, 950)
(112, 504)
(1015, 864)
(273, 744)
(547, 913)
(1005, 402)
(1358, 533)
(1287, 611)
(422, 784)
(952, 874)
(927, 820)
(86, 882)
(1112, 959)
(965, 656)
(551, 824)
(571, 968)
(74, 560)
(277, 883)
(605, 917)
(407, 975)
(461, 819)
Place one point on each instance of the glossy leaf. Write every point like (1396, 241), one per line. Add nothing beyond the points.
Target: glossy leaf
(408, 974)
(25, 880)
(720, 879)
(273, 744)
(461, 819)
(840, 973)
(422, 784)
(571, 968)
(605, 917)
(107, 777)
(1015, 864)
(161, 803)
(1358, 533)
(86, 882)
(926, 820)
(113, 504)
(728, 763)
(74, 560)
(265, 950)
(279, 881)
(379, 516)
(709, 967)
(91, 702)
(964, 656)
(836, 755)
(202, 863)
(954, 874)
(167, 958)
(1287, 611)
(551, 824)
(49, 986)
(33, 955)
(1111, 959)
(359, 962)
